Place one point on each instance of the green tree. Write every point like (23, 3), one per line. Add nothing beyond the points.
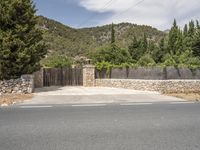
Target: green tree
(196, 44)
(168, 60)
(112, 34)
(151, 47)
(183, 58)
(191, 30)
(146, 61)
(189, 38)
(134, 50)
(179, 43)
(173, 36)
(112, 54)
(197, 24)
(185, 30)
(144, 43)
(56, 61)
(21, 48)
(159, 52)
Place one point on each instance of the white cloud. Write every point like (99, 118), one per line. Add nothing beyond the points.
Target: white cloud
(158, 13)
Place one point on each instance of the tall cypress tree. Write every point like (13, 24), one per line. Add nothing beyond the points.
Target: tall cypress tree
(134, 50)
(189, 37)
(191, 30)
(185, 30)
(112, 34)
(179, 43)
(196, 44)
(186, 39)
(160, 52)
(173, 36)
(197, 24)
(21, 46)
(144, 43)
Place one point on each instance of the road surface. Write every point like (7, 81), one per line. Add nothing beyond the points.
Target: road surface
(129, 126)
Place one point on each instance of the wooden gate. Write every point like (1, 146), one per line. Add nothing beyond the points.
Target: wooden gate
(63, 77)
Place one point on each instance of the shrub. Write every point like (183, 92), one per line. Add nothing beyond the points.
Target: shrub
(103, 65)
(112, 54)
(146, 61)
(194, 62)
(56, 61)
(169, 61)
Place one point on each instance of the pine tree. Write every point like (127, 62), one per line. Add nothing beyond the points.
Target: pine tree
(185, 30)
(134, 49)
(175, 23)
(179, 43)
(173, 36)
(162, 45)
(189, 37)
(160, 51)
(112, 34)
(191, 30)
(197, 24)
(144, 43)
(196, 44)
(21, 46)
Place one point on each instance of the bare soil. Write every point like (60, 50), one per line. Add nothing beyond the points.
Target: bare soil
(186, 96)
(10, 99)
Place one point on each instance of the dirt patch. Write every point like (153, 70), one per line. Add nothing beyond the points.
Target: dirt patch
(9, 99)
(186, 96)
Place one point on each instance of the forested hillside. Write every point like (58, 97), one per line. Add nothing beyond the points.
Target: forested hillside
(28, 42)
(72, 42)
(123, 43)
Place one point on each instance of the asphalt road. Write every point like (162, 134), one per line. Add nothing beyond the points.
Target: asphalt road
(170, 126)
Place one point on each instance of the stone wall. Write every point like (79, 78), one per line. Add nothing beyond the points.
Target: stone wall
(24, 85)
(163, 86)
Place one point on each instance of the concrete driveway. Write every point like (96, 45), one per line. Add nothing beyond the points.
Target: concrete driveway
(94, 95)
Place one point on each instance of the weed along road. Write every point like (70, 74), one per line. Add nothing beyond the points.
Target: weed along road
(127, 126)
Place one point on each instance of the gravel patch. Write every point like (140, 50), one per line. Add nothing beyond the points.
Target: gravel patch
(187, 96)
(9, 99)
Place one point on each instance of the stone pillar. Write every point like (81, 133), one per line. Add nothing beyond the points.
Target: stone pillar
(38, 78)
(88, 76)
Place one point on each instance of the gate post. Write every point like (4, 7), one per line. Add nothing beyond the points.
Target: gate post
(39, 78)
(88, 76)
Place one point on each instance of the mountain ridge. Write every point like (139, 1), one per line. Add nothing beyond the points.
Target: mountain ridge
(65, 40)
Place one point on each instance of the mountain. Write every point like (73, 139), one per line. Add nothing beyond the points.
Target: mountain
(62, 39)
(167, 31)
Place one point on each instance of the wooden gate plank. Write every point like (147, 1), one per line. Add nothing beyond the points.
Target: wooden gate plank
(63, 76)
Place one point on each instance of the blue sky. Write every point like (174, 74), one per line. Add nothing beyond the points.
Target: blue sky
(86, 13)
(69, 12)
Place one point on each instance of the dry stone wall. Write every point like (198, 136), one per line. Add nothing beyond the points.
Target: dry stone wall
(163, 86)
(23, 85)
